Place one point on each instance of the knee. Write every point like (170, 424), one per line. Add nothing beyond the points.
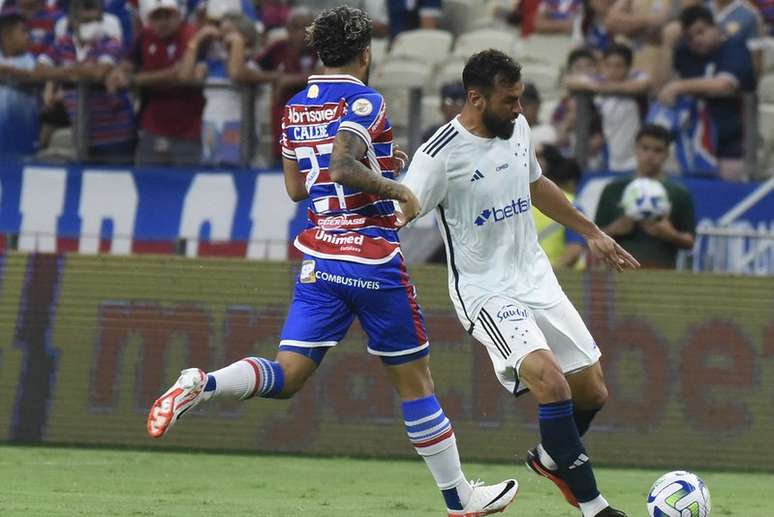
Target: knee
(548, 384)
(598, 396)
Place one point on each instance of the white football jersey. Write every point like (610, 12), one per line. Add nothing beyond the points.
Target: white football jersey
(480, 190)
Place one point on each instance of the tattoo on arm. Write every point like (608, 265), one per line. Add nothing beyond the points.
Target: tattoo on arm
(346, 168)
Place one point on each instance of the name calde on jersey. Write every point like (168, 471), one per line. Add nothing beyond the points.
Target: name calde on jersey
(343, 223)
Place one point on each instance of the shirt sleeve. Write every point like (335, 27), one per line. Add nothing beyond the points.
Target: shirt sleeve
(426, 178)
(534, 166)
(365, 116)
(287, 151)
(736, 64)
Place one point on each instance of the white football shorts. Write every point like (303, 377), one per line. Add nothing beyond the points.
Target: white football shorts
(510, 330)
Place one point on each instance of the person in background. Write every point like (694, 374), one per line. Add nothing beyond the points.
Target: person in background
(452, 100)
(739, 18)
(208, 56)
(406, 15)
(293, 61)
(640, 23)
(41, 20)
(564, 248)
(170, 110)
(620, 96)
(589, 29)
(766, 8)
(86, 53)
(18, 103)
(581, 62)
(654, 241)
(717, 69)
(557, 16)
(530, 108)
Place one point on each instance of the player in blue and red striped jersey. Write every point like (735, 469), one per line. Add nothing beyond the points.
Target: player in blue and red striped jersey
(338, 151)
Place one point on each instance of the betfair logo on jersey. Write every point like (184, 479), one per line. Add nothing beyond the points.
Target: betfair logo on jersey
(516, 207)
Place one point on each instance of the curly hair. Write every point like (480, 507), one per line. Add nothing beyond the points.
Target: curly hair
(339, 34)
(487, 67)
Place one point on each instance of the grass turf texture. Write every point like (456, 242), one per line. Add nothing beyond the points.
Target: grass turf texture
(48, 481)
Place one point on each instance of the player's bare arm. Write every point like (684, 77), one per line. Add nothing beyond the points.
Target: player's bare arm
(550, 200)
(347, 169)
(294, 180)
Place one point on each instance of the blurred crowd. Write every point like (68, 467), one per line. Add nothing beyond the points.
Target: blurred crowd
(682, 64)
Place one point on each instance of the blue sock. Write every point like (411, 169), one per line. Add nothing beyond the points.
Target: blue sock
(270, 379)
(583, 418)
(211, 383)
(559, 436)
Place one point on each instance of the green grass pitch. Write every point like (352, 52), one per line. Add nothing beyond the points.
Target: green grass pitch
(48, 481)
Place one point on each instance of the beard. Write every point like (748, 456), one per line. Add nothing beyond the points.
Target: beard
(501, 128)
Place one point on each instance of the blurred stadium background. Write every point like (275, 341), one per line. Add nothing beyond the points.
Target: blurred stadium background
(114, 275)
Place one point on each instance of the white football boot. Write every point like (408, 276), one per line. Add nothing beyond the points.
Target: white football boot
(184, 394)
(488, 499)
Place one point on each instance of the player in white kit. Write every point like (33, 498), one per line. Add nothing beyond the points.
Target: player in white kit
(480, 174)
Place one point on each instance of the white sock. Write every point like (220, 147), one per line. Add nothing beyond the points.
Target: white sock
(593, 507)
(447, 471)
(546, 458)
(235, 381)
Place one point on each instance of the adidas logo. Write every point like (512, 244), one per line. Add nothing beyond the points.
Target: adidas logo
(580, 461)
(476, 176)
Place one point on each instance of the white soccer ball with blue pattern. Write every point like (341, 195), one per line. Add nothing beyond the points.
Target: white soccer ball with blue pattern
(645, 199)
(679, 494)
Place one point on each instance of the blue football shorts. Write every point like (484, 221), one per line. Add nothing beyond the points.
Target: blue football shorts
(329, 294)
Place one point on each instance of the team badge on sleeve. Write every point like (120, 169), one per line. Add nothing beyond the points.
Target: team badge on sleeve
(362, 107)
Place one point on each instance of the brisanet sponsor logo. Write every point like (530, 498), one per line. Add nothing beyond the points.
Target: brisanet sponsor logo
(516, 207)
(312, 115)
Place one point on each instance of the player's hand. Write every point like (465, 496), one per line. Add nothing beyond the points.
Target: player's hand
(409, 207)
(602, 246)
(400, 159)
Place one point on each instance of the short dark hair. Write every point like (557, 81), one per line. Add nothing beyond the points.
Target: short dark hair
(654, 131)
(695, 13)
(339, 34)
(579, 53)
(489, 67)
(10, 18)
(79, 5)
(619, 49)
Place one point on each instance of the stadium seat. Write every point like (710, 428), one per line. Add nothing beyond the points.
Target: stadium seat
(768, 55)
(427, 46)
(545, 78)
(61, 147)
(394, 79)
(431, 112)
(456, 16)
(482, 39)
(379, 50)
(449, 72)
(546, 48)
(766, 125)
(766, 89)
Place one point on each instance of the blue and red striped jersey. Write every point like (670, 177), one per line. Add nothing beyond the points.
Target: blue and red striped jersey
(343, 223)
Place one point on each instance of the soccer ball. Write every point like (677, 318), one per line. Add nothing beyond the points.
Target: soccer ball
(679, 494)
(645, 199)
